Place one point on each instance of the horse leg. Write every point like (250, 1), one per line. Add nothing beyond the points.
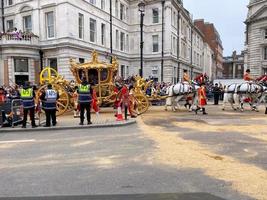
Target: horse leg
(239, 104)
(225, 99)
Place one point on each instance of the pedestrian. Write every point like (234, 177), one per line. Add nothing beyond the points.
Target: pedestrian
(85, 93)
(216, 93)
(27, 96)
(49, 103)
(202, 99)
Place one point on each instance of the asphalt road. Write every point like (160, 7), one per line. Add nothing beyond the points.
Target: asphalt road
(124, 160)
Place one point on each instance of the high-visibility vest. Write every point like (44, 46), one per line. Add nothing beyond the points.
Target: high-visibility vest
(26, 96)
(84, 94)
(50, 102)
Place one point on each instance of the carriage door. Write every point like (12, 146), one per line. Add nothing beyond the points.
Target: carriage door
(21, 70)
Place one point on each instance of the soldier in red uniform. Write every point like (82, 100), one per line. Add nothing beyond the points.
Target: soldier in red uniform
(202, 99)
(247, 76)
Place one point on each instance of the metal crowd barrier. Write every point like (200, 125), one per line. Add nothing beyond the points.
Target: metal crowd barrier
(17, 111)
(11, 113)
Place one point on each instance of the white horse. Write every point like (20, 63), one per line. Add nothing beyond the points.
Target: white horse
(241, 93)
(178, 92)
(229, 96)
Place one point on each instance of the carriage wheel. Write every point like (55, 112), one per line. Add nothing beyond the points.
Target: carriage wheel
(48, 75)
(63, 101)
(142, 103)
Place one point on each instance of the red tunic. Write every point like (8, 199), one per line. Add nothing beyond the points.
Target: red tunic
(202, 97)
(247, 77)
(94, 103)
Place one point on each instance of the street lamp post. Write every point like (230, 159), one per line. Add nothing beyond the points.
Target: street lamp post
(141, 6)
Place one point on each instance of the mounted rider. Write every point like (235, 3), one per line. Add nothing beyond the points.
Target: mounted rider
(186, 77)
(247, 76)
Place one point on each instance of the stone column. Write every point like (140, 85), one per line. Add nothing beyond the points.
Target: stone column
(37, 71)
(6, 72)
(234, 69)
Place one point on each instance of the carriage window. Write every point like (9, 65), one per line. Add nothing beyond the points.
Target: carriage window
(93, 76)
(104, 75)
(81, 74)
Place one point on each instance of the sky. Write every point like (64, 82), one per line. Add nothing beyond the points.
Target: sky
(227, 16)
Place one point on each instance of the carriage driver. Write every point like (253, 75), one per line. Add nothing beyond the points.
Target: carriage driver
(186, 77)
(247, 76)
(85, 93)
(49, 103)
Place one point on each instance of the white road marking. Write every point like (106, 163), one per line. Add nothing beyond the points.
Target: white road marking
(16, 141)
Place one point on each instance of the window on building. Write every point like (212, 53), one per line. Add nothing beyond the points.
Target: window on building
(92, 2)
(117, 8)
(9, 25)
(155, 39)
(50, 25)
(21, 64)
(9, 2)
(103, 34)
(123, 71)
(155, 13)
(174, 18)
(81, 60)
(52, 63)
(127, 13)
(122, 12)
(92, 30)
(27, 24)
(127, 43)
(117, 39)
(127, 71)
(122, 41)
(265, 53)
(103, 4)
(265, 33)
(155, 71)
(81, 25)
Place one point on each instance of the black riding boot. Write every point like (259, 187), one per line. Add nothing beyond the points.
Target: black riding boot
(198, 108)
(266, 111)
(204, 111)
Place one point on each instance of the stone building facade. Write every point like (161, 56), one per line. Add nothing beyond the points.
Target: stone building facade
(64, 29)
(256, 37)
(233, 66)
(212, 37)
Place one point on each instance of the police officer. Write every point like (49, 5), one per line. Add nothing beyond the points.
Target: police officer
(27, 96)
(85, 93)
(49, 103)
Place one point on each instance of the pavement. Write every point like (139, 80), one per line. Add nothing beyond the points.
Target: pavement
(67, 121)
(188, 196)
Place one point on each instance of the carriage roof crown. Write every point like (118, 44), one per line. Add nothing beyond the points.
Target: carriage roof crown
(101, 70)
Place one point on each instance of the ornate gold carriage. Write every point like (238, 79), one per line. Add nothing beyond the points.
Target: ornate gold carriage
(101, 75)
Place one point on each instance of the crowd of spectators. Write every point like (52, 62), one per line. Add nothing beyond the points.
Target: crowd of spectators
(16, 34)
